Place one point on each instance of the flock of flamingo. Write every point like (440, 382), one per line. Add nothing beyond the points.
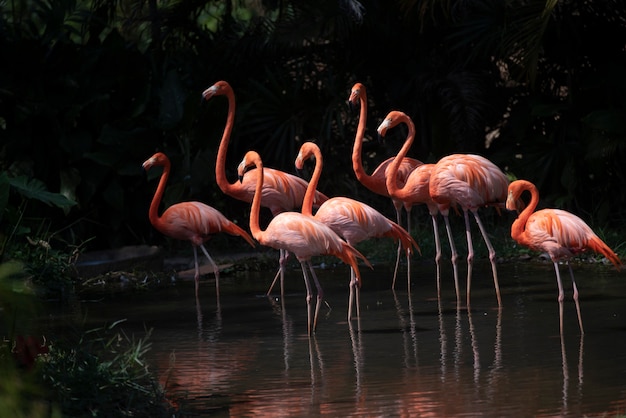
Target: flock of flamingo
(460, 180)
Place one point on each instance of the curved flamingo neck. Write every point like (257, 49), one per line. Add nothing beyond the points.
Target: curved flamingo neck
(220, 164)
(153, 213)
(392, 183)
(255, 229)
(357, 164)
(309, 197)
(519, 225)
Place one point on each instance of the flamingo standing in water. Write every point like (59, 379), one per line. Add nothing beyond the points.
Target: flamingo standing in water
(469, 181)
(189, 221)
(298, 234)
(416, 186)
(557, 232)
(377, 181)
(281, 191)
(350, 219)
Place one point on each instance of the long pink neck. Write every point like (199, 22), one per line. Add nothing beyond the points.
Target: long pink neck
(255, 209)
(392, 184)
(153, 213)
(357, 164)
(519, 225)
(309, 197)
(220, 164)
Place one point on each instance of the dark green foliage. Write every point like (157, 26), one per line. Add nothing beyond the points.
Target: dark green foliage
(94, 89)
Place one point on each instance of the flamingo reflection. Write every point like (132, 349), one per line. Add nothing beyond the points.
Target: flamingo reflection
(566, 375)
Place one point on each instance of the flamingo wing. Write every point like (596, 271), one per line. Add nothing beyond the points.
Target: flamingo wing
(281, 191)
(301, 235)
(379, 176)
(558, 232)
(196, 222)
(353, 220)
(469, 180)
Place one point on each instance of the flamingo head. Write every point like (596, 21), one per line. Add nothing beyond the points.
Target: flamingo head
(158, 159)
(217, 89)
(355, 95)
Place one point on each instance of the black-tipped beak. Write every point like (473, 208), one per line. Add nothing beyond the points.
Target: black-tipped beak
(240, 179)
(351, 106)
(381, 138)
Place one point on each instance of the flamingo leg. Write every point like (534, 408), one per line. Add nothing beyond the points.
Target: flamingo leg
(454, 258)
(408, 256)
(320, 294)
(437, 253)
(308, 295)
(580, 320)
(354, 294)
(470, 254)
(282, 262)
(197, 275)
(492, 256)
(216, 270)
(561, 295)
(398, 207)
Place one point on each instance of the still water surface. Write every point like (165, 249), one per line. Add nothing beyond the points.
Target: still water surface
(407, 356)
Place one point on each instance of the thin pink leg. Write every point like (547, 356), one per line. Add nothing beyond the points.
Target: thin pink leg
(408, 256)
(282, 261)
(197, 275)
(309, 295)
(454, 258)
(398, 206)
(437, 254)
(560, 298)
(470, 254)
(492, 257)
(320, 294)
(580, 319)
(216, 270)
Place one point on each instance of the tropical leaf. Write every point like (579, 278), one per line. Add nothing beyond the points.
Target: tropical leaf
(36, 189)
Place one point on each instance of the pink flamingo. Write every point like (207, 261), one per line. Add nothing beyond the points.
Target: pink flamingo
(299, 234)
(352, 220)
(416, 188)
(557, 232)
(469, 181)
(189, 221)
(281, 191)
(377, 181)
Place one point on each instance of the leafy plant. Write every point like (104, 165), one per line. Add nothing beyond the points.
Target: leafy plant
(103, 374)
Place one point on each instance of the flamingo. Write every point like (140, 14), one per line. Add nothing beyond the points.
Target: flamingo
(189, 221)
(377, 181)
(352, 220)
(469, 181)
(559, 233)
(299, 234)
(281, 191)
(416, 186)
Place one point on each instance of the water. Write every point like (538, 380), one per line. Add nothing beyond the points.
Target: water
(407, 356)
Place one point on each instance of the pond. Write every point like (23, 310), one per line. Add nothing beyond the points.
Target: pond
(408, 355)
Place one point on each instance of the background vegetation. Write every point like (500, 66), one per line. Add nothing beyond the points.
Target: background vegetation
(90, 89)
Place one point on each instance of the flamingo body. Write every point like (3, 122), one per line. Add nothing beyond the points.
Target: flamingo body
(470, 181)
(559, 233)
